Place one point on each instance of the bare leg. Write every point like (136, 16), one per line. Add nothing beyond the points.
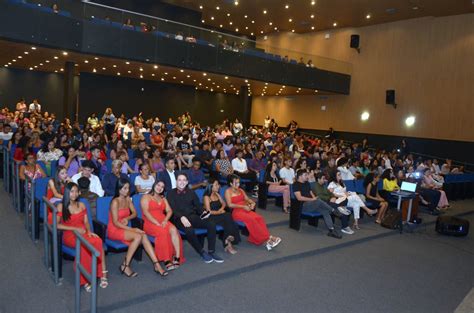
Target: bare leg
(151, 253)
(175, 240)
(135, 239)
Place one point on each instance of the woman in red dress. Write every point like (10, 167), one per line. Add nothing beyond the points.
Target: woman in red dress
(55, 189)
(243, 210)
(156, 214)
(122, 211)
(72, 215)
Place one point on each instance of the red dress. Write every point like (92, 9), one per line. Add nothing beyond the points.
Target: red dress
(69, 239)
(255, 223)
(164, 249)
(115, 233)
(49, 196)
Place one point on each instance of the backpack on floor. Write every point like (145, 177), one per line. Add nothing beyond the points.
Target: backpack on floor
(391, 219)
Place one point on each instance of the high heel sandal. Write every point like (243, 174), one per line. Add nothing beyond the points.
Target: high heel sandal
(176, 262)
(169, 265)
(104, 282)
(230, 249)
(163, 274)
(122, 270)
(356, 226)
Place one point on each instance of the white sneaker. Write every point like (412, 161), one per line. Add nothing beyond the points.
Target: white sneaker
(343, 210)
(276, 242)
(347, 230)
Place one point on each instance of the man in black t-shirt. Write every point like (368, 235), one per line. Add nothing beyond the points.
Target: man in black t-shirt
(311, 203)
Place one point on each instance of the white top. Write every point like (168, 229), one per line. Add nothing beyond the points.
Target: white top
(239, 165)
(126, 131)
(345, 173)
(35, 107)
(338, 190)
(6, 136)
(145, 184)
(266, 123)
(238, 127)
(95, 185)
(178, 37)
(287, 175)
(388, 163)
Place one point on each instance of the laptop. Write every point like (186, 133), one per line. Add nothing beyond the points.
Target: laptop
(407, 189)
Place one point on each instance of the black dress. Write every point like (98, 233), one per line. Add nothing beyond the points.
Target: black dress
(225, 220)
(374, 204)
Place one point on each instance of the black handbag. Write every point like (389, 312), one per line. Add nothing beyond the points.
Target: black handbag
(392, 219)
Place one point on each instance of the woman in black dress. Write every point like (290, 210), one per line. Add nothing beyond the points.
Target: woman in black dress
(214, 204)
(372, 195)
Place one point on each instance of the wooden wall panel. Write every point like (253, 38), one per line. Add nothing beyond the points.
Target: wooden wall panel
(428, 61)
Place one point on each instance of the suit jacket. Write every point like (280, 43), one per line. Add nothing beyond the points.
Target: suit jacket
(165, 177)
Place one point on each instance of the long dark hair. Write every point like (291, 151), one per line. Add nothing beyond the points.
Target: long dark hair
(208, 190)
(57, 182)
(333, 178)
(67, 200)
(152, 191)
(386, 174)
(46, 144)
(369, 178)
(121, 182)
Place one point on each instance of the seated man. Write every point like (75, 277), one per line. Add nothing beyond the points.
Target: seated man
(205, 155)
(99, 166)
(311, 203)
(196, 176)
(239, 164)
(185, 156)
(87, 168)
(141, 146)
(322, 192)
(188, 215)
(84, 184)
(169, 175)
(110, 179)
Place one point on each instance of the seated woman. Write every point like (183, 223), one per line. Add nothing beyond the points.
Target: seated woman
(275, 184)
(372, 194)
(49, 153)
(56, 186)
(215, 205)
(430, 183)
(390, 183)
(243, 210)
(71, 161)
(122, 211)
(123, 156)
(31, 169)
(143, 158)
(72, 215)
(223, 165)
(337, 187)
(156, 215)
(157, 164)
(144, 182)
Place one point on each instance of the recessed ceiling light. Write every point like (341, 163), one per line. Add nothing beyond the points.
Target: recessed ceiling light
(415, 8)
(41, 64)
(236, 29)
(26, 52)
(200, 7)
(182, 82)
(228, 14)
(245, 16)
(261, 32)
(226, 77)
(174, 77)
(96, 58)
(61, 69)
(209, 79)
(264, 11)
(162, 78)
(188, 76)
(65, 53)
(368, 16)
(312, 27)
(155, 67)
(114, 65)
(141, 76)
(218, 8)
(166, 73)
(86, 61)
(55, 57)
(118, 73)
(334, 24)
(246, 27)
(313, 2)
(230, 23)
(290, 20)
(312, 16)
(103, 68)
(33, 48)
(141, 69)
(204, 74)
(153, 74)
(287, 6)
(94, 71)
(129, 72)
(221, 26)
(236, 2)
(292, 30)
(127, 62)
(203, 21)
(212, 17)
(19, 57)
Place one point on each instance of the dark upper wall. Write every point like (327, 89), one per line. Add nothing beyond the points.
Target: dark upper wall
(125, 95)
(47, 87)
(157, 8)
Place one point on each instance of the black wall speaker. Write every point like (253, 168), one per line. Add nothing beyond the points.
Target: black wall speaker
(355, 41)
(390, 96)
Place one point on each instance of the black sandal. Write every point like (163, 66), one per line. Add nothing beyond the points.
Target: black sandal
(169, 266)
(122, 270)
(162, 274)
(176, 262)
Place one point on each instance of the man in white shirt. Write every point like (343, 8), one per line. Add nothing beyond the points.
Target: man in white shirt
(6, 133)
(87, 169)
(287, 174)
(168, 176)
(240, 169)
(35, 107)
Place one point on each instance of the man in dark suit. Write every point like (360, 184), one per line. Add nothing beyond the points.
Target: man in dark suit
(168, 176)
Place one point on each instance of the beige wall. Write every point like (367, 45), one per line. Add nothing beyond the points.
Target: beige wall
(428, 61)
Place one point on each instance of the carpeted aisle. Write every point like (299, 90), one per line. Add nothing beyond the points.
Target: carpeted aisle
(374, 270)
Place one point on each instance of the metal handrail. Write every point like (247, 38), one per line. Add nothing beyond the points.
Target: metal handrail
(53, 229)
(16, 185)
(6, 176)
(91, 277)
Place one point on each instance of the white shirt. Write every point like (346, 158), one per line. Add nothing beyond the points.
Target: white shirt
(287, 175)
(345, 173)
(6, 136)
(95, 185)
(338, 190)
(35, 107)
(126, 131)
(388, 164)
(145, 184)
(172, 178)
(239, 165)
